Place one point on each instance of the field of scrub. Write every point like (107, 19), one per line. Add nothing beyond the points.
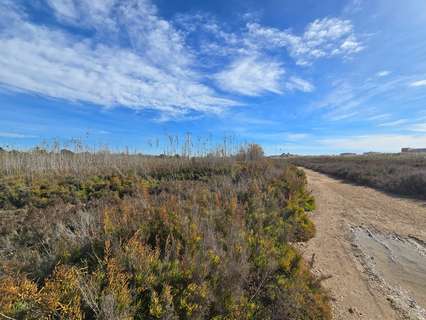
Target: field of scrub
(403, 174)
(139, 237)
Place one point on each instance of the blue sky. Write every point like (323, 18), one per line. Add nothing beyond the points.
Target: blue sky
(306, 76)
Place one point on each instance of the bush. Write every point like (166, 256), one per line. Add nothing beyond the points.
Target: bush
(250, 153)
(198, 241)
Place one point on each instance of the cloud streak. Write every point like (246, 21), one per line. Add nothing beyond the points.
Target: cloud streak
(383, 73)
(394, 123)
(419, 83)
(15, 135)
(296, 83)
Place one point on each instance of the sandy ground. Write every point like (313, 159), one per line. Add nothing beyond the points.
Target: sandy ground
(358, 289)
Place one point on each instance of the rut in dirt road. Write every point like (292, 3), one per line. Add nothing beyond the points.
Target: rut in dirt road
(373, 247)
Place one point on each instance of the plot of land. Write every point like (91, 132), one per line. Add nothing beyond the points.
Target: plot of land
(373, 246)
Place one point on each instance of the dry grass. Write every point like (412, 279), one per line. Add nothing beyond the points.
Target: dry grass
(52, 160)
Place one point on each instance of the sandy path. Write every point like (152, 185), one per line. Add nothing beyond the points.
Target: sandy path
(357, 289)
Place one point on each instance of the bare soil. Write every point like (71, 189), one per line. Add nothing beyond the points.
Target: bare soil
(373, 245)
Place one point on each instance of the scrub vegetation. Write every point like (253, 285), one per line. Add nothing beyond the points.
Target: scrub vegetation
(403, 174)
(119, 236)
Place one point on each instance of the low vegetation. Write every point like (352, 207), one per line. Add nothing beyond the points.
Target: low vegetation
(156, 238)
(403, 174)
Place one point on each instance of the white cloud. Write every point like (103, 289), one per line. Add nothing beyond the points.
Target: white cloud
(251, 76)
(154, 71)
(353, 7)
(393, 123)
(322, 31)
(330, 37)
(254, 76)
(419, 83)
(379, 117)
(376, 142)
(64, 8)
(213, 38)
(341, 95)
(15, 135)
(95, 14)
(296, 83)
(323, 38)
(383, 73)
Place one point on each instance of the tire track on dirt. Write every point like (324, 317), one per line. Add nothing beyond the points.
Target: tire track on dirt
(341, 209)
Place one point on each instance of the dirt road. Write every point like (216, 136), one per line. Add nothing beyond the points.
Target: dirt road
(374, 247)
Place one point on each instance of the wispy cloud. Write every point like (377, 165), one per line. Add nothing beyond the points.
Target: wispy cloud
(347, 97)
(383, 73)
(64, 9)
(419, 83)
(341, 95)
(353, 7)
(296, 83)
(337, 116)
(419, 127)
(379, 117)
(152, 71)
(394, 123)
(251, 76)
(16, 135)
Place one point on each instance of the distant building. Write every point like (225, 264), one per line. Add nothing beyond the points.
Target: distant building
(348, 154)
(286, 155)
(413, 150)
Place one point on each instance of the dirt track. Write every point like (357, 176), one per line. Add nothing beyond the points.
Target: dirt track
(373, 246)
